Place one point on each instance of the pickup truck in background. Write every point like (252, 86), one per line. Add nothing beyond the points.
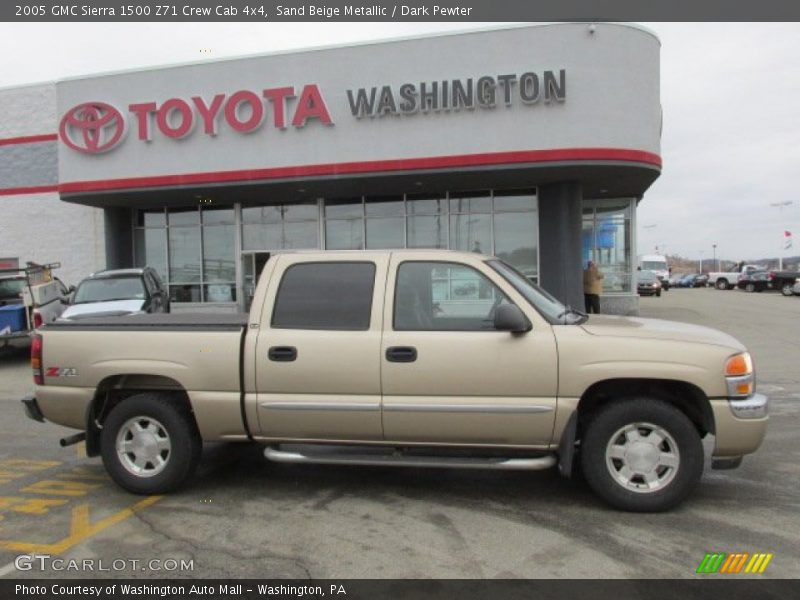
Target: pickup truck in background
(426, 358)
(30, 297)
(783, 281)
(728, 281)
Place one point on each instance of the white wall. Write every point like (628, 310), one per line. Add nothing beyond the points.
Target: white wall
(42, 228)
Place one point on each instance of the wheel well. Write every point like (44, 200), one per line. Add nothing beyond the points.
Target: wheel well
(688, 398)
(113, 390)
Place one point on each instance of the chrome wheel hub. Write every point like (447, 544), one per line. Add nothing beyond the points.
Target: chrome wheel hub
(143, 446)
(642, 457)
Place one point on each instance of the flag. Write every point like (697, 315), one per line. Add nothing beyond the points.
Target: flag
(787, 240)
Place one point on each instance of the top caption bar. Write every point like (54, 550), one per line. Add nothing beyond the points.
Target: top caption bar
(381, 10)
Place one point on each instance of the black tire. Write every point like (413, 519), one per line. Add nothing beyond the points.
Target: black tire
(677, 483)
(722, 284)
(658, 294)
(786, 289)
(750, 287)
(163, 417)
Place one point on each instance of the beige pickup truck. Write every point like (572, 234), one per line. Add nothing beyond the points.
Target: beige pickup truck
(407, 358)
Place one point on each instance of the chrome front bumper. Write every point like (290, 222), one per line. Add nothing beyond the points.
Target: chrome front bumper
(754, 407)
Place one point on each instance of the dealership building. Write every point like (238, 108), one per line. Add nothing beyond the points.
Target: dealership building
(531, 143)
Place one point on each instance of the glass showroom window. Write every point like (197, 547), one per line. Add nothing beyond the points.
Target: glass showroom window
(219, 254)
(192, 250)
(386, 220)
(607, 240)
(150, 241)
(280, 227)
(344, 224)
(503, 223)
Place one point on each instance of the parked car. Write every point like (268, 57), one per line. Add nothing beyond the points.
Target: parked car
(119, 292)
(693, 280)
(758, 281)
(796, 287)
(755, 281)
(648, 283)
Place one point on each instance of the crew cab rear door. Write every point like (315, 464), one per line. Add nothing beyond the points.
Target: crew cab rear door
(317, 357)
(448, 375)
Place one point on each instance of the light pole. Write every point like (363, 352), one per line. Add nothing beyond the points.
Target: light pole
(781, 206)
(701, 262)
(714, 259)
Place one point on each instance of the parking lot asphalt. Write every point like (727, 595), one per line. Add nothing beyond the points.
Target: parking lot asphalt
(245, 517)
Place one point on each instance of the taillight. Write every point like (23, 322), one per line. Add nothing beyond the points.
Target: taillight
(36, 359)
(38, 321)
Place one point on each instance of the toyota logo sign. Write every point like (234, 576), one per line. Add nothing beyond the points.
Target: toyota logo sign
(92, 127)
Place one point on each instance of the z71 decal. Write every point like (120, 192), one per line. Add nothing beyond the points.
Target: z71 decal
(60, 372)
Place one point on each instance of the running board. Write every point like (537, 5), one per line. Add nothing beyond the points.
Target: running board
(406, 460)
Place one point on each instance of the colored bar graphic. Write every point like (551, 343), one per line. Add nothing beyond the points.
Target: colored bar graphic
(734, 563)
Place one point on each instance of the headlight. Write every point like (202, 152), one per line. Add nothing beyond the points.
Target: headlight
(739, 375)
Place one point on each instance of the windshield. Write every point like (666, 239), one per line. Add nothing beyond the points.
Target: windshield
(552, 309)
(11, 288)
(654, 265)
(647, 276)
(106, 290)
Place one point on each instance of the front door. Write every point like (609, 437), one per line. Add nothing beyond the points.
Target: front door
(448, 375)
(317, 353)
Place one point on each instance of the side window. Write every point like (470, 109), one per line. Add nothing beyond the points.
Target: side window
(434, 296)
(327, 295)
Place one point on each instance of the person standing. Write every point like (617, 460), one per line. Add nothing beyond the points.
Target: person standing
(592, 287)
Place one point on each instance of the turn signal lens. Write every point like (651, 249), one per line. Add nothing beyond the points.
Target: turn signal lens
(740, 364)
(36, 359)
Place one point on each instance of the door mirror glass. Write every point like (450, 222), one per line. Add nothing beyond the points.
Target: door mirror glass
(509, 317)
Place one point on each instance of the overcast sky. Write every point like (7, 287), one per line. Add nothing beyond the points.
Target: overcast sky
(730, 94)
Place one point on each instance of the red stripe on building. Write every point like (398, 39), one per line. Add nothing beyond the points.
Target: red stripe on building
(39, 189)
(29, 139)
(375, 166)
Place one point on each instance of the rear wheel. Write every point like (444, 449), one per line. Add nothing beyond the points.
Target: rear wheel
(150, 444)
(641, 455)
(722, 284)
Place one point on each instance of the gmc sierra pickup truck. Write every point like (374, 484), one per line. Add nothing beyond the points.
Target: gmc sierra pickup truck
(408, 358)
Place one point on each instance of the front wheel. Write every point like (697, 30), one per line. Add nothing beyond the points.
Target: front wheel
(150, 444)
(641, 455)
(750, 288)
(786, 289)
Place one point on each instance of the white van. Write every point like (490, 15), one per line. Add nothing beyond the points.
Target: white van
(658, 264)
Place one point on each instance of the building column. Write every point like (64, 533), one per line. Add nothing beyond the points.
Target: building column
(561, 271)
(118, 225)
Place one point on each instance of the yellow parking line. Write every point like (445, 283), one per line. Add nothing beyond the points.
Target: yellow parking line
(80, 528)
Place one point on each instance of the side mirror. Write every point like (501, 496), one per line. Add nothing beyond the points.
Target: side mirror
(508, 317)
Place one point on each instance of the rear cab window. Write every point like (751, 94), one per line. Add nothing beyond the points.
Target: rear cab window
(333, 296)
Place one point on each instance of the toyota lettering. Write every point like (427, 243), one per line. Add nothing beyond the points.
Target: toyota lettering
(95, 127)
